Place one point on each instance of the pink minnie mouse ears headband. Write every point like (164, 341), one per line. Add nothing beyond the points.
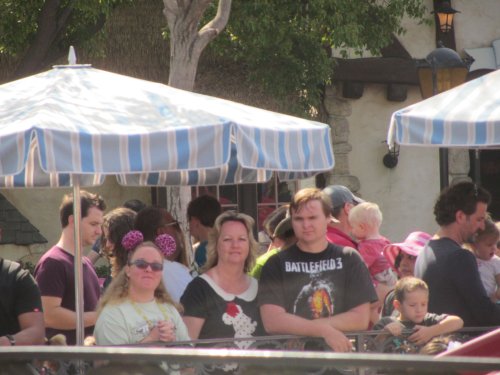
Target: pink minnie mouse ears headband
(165, 242)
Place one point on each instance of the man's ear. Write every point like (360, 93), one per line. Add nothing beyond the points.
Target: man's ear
(347, 208)
(194, 222)
(71, 219)
(460, 217)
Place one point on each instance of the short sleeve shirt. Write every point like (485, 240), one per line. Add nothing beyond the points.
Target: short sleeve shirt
(430, 319)
(19, 294)
(316, 285)
(125, 323)
(55, 276)
(226, 315)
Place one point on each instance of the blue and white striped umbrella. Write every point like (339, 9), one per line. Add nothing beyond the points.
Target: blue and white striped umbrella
(79, 120)
(465, 116)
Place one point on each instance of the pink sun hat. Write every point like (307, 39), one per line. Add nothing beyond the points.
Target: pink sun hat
(412, 245)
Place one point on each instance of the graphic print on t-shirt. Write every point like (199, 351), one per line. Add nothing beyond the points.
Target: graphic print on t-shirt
(242, 324)
(315, 299)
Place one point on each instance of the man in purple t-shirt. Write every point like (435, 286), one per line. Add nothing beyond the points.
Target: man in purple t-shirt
(338, 231)
(54, 272)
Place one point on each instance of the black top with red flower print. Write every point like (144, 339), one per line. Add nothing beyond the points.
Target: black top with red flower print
(226, 315)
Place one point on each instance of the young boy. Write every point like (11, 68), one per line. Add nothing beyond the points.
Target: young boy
(411, 299)
(365, 220)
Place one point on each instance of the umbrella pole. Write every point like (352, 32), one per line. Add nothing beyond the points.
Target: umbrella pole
(443, 168)
(78, 261)
(477, 167)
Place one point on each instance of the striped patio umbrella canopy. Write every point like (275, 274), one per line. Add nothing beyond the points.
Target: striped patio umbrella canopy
(75, 119)
(465, 116)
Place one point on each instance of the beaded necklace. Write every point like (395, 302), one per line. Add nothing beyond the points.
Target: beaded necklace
(141, 313)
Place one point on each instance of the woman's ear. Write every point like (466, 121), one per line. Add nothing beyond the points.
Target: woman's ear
(127, 270)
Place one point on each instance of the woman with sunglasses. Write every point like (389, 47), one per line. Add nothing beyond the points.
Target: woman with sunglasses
(136, 307)
(153, 222)
(221, 303)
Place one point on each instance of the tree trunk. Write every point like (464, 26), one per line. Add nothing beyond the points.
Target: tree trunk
(46, 47)
(52, 22)
(186, 45)
(186, 41)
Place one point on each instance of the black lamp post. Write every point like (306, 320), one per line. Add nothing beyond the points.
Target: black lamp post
(441, 70)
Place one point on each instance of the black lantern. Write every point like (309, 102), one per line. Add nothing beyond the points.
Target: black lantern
(441, 70)
(390, 160)
(445, 14)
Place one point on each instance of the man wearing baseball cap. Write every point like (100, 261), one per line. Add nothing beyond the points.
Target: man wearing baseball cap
(339, 229)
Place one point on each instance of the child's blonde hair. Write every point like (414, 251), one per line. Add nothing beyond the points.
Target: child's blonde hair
(366, 212)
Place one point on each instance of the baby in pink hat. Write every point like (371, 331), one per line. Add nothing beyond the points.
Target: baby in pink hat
(402, 256)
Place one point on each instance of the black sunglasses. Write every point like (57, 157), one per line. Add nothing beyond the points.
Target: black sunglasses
(143, 265)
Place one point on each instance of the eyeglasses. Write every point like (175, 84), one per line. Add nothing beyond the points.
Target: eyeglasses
(143, 265)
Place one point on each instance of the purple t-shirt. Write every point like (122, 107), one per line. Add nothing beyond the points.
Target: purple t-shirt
(55, 276)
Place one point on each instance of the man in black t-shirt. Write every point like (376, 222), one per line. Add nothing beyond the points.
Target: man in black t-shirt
(451, 271)
(21, 317)
(315, 288)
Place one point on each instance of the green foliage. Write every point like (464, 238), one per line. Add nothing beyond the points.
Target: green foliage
(103, 271)
(287, 45)
(18, 21)
(17, 24)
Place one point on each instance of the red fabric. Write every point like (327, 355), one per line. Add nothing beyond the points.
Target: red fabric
(487, 345)
(337, 237)
(371, 251)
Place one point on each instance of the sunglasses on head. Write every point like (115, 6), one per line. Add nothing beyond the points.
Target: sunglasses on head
(172, 223)
(143, 265)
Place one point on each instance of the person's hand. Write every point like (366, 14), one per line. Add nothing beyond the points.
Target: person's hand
(421, 335)
(337, 340)
(166, 330)
(395, 328)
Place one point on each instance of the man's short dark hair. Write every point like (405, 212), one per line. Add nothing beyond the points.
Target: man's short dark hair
(134, 204)
(463, 196)
(205, 208)
(87, 200)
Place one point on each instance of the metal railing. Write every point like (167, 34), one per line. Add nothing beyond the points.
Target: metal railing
(267, 355)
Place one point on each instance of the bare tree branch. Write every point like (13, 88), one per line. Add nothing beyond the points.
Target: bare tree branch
(215, 26)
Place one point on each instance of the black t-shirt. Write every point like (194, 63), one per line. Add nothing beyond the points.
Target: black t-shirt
(316, 285)
(226, 315)
(430, 319)
(455, 286)
(19, 294)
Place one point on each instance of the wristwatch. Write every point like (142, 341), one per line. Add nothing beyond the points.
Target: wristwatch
(11, 339)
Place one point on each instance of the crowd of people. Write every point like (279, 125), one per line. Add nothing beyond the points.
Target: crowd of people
(328, 271)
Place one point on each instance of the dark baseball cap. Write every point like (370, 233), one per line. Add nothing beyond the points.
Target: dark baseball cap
(340, 195)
